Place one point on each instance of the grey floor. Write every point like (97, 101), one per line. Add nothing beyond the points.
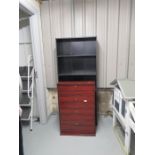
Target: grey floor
(46, 140)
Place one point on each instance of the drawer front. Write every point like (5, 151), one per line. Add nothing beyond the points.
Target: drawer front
(75, 87)
(77, 126)
(76, 105)
(75, 93)
(78, 123)
(77, 99)
(77, 111)
(77, 117)
(78, 132)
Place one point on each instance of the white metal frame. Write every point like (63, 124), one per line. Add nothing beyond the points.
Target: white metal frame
(130, 125)
(33, 9)
(126, 121)
(30, 87)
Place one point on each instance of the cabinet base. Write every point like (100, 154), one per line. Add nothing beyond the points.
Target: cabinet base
(77, 133)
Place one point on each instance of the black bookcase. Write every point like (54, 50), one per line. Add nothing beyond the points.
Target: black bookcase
(76, 59)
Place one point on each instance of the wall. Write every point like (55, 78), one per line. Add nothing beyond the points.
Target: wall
(25, 44)
(112, 21)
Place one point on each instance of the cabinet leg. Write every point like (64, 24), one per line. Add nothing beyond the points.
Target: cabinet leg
(114, 119)
(127, 139)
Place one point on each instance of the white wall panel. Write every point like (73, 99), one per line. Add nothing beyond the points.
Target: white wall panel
(123, 39)
(67, 17)
(102, 9)
(90, 17)
(78, 17)
(24, 35)
(113, 20)
(109, 20)
(22, 57)
(56, 18)
(25, 46)
(131, 71)
(56, 32)
(45, 18)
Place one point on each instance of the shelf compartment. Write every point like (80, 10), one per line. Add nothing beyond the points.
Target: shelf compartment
(23, 71)
(25, 100)
(25, 83)
(77, 66)
(26, 111)
(75, 46)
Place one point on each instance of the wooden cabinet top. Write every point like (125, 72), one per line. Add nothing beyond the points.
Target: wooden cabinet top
(76, 83)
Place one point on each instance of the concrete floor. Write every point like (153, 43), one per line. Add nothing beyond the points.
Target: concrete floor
(46, 140)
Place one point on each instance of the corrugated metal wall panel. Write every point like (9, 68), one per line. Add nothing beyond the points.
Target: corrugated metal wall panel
(109, 20)
(131, 66)
(78, 16)
(46, 31)
(123, 38)
(66, 13)
(25, 46)
(90, 17)
(102, 8)
(113, 25)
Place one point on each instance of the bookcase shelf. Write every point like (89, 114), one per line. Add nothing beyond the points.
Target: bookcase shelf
(76, 58)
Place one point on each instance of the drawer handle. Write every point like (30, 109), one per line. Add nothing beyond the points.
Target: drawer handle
(76, 111)
(85, 101)
(76, 124)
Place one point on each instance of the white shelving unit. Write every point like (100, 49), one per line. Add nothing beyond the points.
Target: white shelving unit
(26, 103)
(124, 111)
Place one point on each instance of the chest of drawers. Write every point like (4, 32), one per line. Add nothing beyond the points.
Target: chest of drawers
(77, 108)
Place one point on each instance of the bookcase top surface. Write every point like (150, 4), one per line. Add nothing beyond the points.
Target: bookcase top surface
(76, 38)
(76, 82)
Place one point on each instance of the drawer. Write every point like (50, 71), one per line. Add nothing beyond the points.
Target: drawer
(78, 111)
(75, 98)
(76, 105)
(76, 117)
(78, 132)
(77, 93)
(78, 123)
(70, 88)
(77, 126)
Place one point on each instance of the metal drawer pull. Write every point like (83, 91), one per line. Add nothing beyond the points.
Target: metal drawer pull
(76, 123)
(84, 101)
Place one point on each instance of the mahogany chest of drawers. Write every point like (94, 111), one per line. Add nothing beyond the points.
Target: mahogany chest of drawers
(77, 107)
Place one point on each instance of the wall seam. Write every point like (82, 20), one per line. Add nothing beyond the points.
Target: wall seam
(84, 19)
(73, 20)
(95, 17)
(49, 10)
(128, 63)
(61, 18)
(118, 39)
(107, 20)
